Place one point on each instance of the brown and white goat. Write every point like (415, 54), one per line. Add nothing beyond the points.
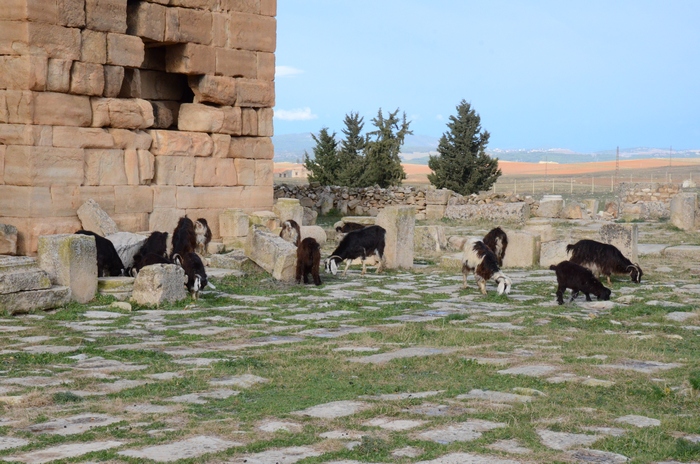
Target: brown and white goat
(308, 261)
(578, 279)
(497, 241)
(291, 232)
(184, 238)
(603, 259)
(203, 236)
(479, 258)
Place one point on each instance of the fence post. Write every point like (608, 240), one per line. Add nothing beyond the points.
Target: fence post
(515, 186)
(533, 186)
(592, 185)
(572, 186)
(612, 183)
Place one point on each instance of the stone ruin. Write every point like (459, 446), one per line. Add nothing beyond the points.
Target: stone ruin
(152, 108)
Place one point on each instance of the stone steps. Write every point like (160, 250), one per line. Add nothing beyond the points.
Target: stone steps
(121, 288)
(24, 287)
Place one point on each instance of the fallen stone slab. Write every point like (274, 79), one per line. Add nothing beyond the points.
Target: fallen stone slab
(469, 458)
(159, 283)
(94, 218)
(512, 446)
(240, 381)
(646, 367)
(395, 425)
(530, 371)
(35, 300)
(499, 397)
(334, 409)
(402, 396)
(23, 279)
(639, 421)
(68, 451)
(464, 431)
(282, 455)
(121, 288)
(148, 408)
(601, 457)
(127, 245)
(186, 449)
(691, 252)
(36, 381)
(563, 440)
(74, 424)
(275, 426)
(404, 353)
(203, 398)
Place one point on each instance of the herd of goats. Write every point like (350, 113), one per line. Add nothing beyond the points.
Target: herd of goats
(363, 244)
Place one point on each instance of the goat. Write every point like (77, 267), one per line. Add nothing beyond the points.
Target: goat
(155, 244)
(184, 238)
(291, 232)
(362, 244)
(109, 264)
(602, 258)
(203, 235)
(578, 279)
(349, 227)
(497, 241)
(147, 260)
(479, 258)
(308, 260)
(192, 264)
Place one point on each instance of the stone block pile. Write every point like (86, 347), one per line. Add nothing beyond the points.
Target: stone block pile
(152, 108)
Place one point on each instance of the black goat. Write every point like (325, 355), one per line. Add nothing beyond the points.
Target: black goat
(308, 260)
(497, 241)
(578, 279)
(291, 232)
(156, 244)
(603, 259)
(364, 243)
(109, 264)
(349, 227)
(184, 238)
(479, 258)
(194, 271)
(203, 234)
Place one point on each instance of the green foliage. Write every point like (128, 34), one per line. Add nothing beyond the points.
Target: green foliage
(695, 380)
(325, 165)
(351, 153)
(66, 397)
(382, 162)
(462, 164)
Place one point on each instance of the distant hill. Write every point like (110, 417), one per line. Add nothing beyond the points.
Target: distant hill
(417, 149)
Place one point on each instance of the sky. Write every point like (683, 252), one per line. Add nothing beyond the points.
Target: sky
(586, 75)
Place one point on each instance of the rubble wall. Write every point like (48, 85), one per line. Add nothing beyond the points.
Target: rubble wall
(153, 108)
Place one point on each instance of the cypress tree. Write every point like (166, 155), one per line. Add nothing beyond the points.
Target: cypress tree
(351, 153)
(382, 162)
(324, 166)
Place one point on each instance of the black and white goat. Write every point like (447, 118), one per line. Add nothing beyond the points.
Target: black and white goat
(184, 238)
(291, 232)
(603, 259)
(308, 260)
(147, 260)
(364, 244)
(203, 234)
(349, 227)
(153, 251)
(578, 279)
(109, 264)
(194, 271)
(479, 258)
(497, 241)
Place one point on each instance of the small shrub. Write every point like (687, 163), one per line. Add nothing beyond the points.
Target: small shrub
(66, 397)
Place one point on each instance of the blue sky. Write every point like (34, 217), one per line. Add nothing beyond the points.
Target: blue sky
(585, 75)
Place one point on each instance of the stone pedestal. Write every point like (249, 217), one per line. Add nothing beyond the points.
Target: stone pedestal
(553, 252)
(683, 207)
(523, 249)
(289, 208)
(399, 222)
(622, 236)
(160, 283)
(272, 253)
(550, 206)
(429, 238)
(70, 261)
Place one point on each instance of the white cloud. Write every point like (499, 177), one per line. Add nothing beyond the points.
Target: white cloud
(439, 117)
(286, 71)
(299, 114)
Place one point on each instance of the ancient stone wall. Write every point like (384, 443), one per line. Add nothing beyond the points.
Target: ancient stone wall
(153, 108)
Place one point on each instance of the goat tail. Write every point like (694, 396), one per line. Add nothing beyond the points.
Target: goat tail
(553, 267)
(570, 248)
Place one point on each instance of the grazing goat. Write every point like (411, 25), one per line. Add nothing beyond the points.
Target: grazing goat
(194, 271)
(362, 244)
(602, 258)
(203, 233)
(155, 244)
(349, 227)
(578, 279)
(184, 238)
(497, 241)
(109, 264)
(479, 258)
(147, 260)
(291, 232)
(308, 260)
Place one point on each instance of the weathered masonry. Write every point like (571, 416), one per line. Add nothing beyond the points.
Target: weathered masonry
(153, 108)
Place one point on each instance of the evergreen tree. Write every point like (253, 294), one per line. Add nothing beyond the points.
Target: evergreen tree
(351, 153)
(462, 164)
(324, 166)
(382, 162)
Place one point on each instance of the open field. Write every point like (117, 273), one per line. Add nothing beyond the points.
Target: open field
(404, 366)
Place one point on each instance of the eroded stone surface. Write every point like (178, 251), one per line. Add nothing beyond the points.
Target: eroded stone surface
(563, 440)
(465, 431)
(282, 455)
(639, 421)
(56, 453)
(185, 449)
(334, 409)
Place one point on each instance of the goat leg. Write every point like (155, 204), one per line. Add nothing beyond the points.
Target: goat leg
(588, 296)
(609, 283)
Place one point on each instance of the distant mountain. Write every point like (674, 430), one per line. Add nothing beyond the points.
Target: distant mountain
(417, 149)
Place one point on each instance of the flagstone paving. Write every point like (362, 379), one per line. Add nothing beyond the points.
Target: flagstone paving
(397, 367)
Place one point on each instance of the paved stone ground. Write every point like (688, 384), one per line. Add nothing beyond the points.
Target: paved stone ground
(98, 384)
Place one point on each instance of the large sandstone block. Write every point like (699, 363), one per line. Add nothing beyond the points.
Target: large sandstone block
(213, 89)
(34, 300)
(82, 137)
(433, 212)
(523, 249)
(18, 274)
(683, 207)
(552, 252)
(37, 201)
(203, 118)
(58, 75)
(128, 139)
(17, 106)
(399, 223)
(544, 229)
(251, 148)
(147, 164)
(8, 239)
(507, 212)
(102, 195)
(255, 93)
(267, 219)
(106, 15)
(28, 72)
(30, 229)
(176, 143)
(21, 134)
(249, 122)
(438, 196)
(184, 25)
(265, 122)
(233, 223)
(71, 13)
(114, 78)
(121, 113)
(272, 253)
(289, 208)
(429, 238)
(105, 167)
(132, 222)
(268, 7)
(164, 196)
(43, 166)
(24, 37)
(94, 218)
(190, 59)
(71, 261)
(58, 109)
(87, 79)
(133, 199)
(146, 20)
(252, 32)
(159, 283)
(624, 237)
(236, 63)
(222, 145)
(551, 206)
(93, 47)
(165, 219)
(214, 172)
(245, 168)
(266, 66)
(264, 173)
(174, 170)
(29, 10)
(125, 50)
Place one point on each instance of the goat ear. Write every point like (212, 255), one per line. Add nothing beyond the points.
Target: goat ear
(334, 267)
(501, 286)
(177, 259)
